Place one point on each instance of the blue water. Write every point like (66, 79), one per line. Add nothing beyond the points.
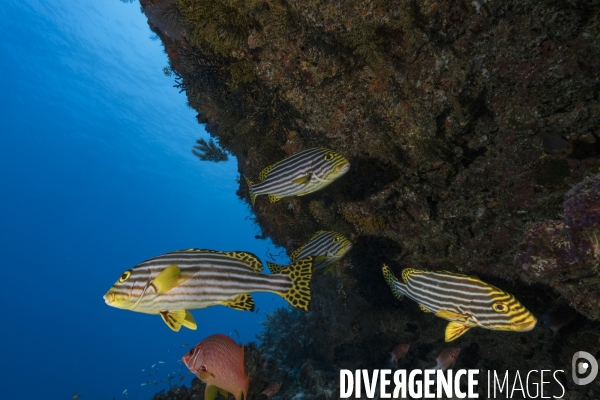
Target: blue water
(97, 175)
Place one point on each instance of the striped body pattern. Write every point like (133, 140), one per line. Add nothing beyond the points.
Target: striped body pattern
(300, 174)
(172, 283)
(219, 362)
(326, 248)
(464, 300)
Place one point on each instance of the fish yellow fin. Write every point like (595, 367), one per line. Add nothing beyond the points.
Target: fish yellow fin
(391, 281)
(274, 268)
(189, 321)
(210, 393)
(452, 316)
(167, 279)
(248, 258)
(175, 319)
(243, 302)
(252, 195)
(296, 253)
(407, 272)
(300, 274)
(302, 180)
(263, 174)
(422, 307)
(273, 198)
(455, 330)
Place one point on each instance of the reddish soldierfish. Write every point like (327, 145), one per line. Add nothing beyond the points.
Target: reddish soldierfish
(219, 362)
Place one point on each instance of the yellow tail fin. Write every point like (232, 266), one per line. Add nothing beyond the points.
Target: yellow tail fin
(252, 195)
(300, 273)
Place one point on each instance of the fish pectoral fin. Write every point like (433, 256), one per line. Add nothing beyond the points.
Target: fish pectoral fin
(175, 319)
(274, 268)
(189, 321)
(300, 273)
(425, 309)
(302, 180)
(450, 315)
(320, 259)
(273, 198)
(455, 330)
(167, 279)
(243, 302)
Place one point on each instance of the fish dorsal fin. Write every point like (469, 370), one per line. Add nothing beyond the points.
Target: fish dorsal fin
(251, 260)
(407, 272)
(167, 279)
(302, 180)
(296, 253)
(189, 321)
(263, 174)
(392, 281)
(455, 330)
(274, 268)
(451, 315)
(243, 302)
(423, 308)
(175, 319)
(273, 198)
(316, 234)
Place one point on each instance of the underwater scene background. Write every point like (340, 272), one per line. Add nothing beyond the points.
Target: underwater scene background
(455, 137)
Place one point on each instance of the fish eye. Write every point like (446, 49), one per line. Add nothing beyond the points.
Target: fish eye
(500, 307)
(328, 156)
(124, 276)
(336, 239)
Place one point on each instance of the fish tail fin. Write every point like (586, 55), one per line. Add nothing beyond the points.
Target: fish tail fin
(392, 282)
(250, 183)
(300, 273)
(274, 268)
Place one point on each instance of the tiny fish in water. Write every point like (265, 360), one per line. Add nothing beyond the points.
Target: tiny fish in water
(153, 365)
(75, 396)
(326, 247)
(219, 362)
(182, 378)
(143, 384)
(465, 301)
(161, 362)
(300, 174)
(143, 369)
(124, 391)
(447, 358)
(398, 352)
(171, 284)
(184, 345)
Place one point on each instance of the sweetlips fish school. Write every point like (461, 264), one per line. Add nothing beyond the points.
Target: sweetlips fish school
(461, 384)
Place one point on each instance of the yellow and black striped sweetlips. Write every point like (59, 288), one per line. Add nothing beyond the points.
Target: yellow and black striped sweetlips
(465, 301)
(302, 173)
(174, 283)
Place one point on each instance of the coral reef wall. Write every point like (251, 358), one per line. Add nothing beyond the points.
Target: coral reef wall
(471, 127)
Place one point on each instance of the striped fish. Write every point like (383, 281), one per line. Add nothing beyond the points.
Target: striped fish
(326, 248)
(173, 283)
(303, 173)
(465, 301)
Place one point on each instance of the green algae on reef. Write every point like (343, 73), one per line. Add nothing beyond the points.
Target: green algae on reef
(444, 110)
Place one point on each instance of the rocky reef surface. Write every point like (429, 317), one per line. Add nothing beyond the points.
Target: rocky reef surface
(473, 130)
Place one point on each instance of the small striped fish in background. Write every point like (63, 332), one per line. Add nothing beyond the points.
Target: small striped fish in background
(465, 301)
(326, 248)
(302, 173)
(173, 283)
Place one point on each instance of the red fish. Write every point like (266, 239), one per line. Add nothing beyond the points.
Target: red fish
(219, 362)
(447, 358)
(398, 352)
